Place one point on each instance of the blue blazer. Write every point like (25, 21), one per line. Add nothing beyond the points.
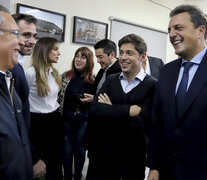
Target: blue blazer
(15, 155)
(180, 139)
(22, 89)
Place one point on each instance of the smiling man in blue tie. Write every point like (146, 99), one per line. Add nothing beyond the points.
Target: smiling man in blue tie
(178, 140)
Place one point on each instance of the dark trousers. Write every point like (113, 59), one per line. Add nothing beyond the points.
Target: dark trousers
(74, 131)
(47, 137)
(184, 171)
(101, 170)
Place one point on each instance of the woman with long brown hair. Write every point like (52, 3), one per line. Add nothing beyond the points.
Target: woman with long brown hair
(74, 103)
(46, 127)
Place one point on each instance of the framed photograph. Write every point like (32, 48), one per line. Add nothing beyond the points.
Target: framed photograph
(86, 31)
(49, 23)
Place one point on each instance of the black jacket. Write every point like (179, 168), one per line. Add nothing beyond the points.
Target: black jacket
(115, 68)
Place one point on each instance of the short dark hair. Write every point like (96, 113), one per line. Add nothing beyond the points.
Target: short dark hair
(107, 45)
(197, 17)
(26, 17)
(136, 40)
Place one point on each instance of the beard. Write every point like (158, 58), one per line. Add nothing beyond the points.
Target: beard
(24, 51)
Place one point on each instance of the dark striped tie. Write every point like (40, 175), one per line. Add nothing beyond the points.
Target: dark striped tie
(182, 89)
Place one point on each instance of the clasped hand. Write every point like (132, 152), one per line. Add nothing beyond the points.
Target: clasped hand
(104, 98)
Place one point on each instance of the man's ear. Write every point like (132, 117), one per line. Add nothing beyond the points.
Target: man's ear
(143, 56)
(202, 31)
(113, 54)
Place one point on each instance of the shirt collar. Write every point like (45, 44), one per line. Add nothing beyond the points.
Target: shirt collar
(109, 66)
(2, 72)
(9, 74)
(140, 75)
(198, 58)
(50, 70)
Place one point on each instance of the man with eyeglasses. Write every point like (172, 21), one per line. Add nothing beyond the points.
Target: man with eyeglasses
(28, 32)
(15, 155)
(15, 32)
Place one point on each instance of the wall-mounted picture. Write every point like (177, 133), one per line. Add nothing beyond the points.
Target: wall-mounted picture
(86, 31)
(49, 23)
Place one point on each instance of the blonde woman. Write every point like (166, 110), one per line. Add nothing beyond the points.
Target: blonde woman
(44, 84)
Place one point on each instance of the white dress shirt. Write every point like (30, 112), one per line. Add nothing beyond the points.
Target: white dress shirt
(39, 104)
(196, 62)
(128, 86)
(147, 67)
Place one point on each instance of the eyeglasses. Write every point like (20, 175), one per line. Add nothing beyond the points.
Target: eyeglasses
(15, 32)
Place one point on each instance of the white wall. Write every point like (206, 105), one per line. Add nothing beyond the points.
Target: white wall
(137, 11)
(5, 3)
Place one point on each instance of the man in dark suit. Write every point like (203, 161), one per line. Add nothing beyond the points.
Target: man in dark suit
(105, 51)
(28, 32)
(152, 66)
(15, 155)
(119, 117)
(178, 140)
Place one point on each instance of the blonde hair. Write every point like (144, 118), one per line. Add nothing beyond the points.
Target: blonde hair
(41, 64)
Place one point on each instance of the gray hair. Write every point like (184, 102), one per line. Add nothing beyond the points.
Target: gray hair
(3, 9)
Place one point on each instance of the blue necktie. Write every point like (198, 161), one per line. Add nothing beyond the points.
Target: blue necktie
(182, 89)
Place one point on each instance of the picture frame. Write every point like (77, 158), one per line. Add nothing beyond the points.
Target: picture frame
(49, 23)
(86, 31)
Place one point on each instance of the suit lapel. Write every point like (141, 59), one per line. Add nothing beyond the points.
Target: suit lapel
(98, 76)
(170, 89)
(199, 80)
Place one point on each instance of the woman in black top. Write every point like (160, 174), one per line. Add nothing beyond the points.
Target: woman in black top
(74, 103)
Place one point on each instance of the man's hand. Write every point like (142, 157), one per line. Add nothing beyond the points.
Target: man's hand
(134, 110)
(153, 175)
(103, 98)
(39, 169)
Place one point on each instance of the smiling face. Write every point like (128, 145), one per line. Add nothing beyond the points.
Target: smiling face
(10, 43)
(130, 60)
(54, 53)
(103, 59)
(28, 32)
(80, 61)
(184, 36)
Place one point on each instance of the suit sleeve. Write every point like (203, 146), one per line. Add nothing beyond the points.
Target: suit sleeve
(154, 144)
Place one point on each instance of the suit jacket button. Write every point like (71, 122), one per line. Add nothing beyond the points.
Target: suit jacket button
(18, 110)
